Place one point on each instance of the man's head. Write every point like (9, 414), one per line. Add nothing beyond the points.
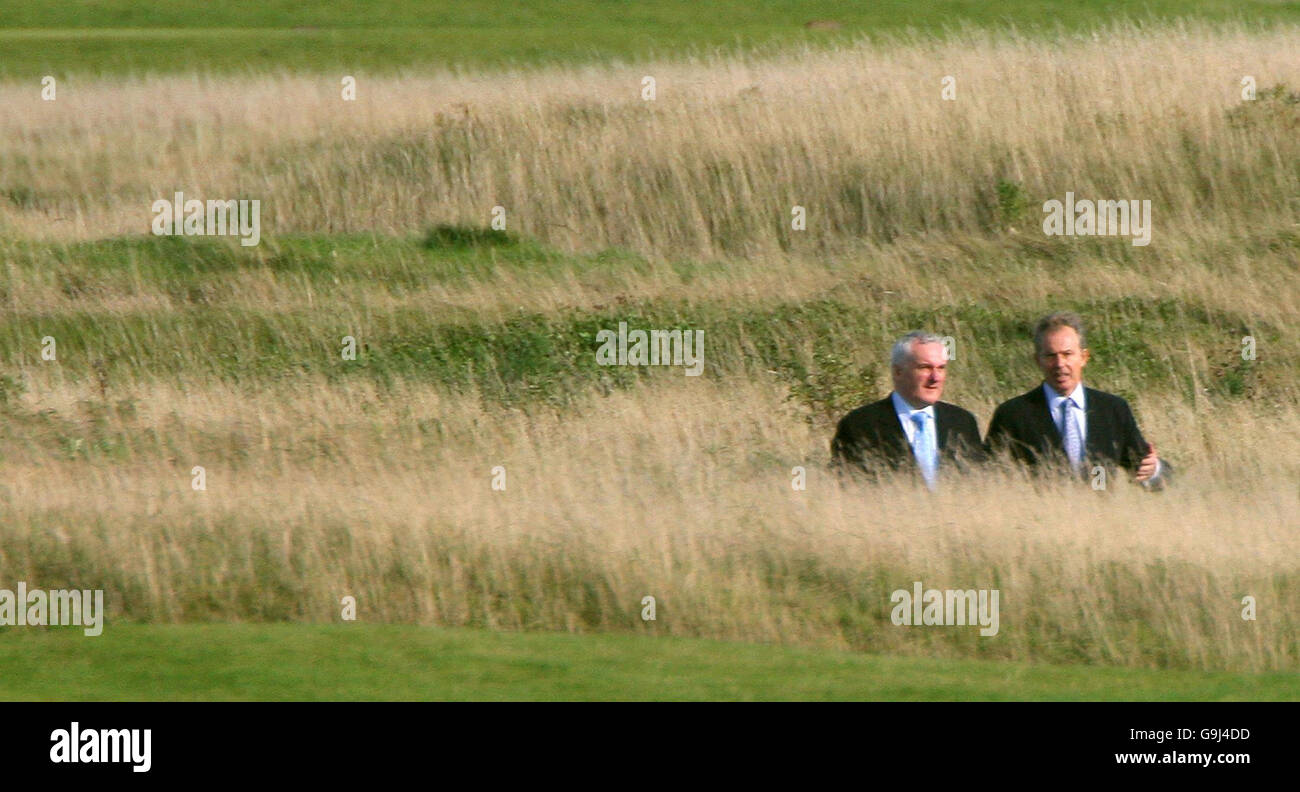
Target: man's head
(919, 364)
(1061, 350)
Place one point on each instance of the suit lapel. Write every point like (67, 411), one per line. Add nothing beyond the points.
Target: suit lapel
(891, 427)
(1097, 428)
(940, 426)
(1043, 410)
(890, 430)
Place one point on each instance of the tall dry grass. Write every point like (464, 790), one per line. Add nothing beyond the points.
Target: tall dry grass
(860, 137)
(680, 490)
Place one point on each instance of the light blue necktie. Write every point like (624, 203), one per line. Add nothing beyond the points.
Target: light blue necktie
(924, 448)
(1070, 434)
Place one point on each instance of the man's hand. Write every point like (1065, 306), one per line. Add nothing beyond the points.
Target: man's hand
(1147, 468)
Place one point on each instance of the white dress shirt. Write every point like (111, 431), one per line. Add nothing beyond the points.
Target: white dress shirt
(905, 411)
(1054, 401)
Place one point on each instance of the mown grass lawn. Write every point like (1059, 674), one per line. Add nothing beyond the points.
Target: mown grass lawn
(221, 662)
(119, 36)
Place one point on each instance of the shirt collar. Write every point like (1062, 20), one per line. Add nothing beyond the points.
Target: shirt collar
(1055, 399)
(905, 410)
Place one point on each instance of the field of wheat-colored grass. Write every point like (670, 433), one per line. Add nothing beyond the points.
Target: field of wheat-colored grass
(371, 478)
(679, 490)
(860, 137)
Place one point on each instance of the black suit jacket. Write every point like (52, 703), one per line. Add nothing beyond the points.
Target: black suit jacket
(870, 439)
(1024, 427)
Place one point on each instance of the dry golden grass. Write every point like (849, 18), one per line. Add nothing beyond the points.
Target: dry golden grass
(713, 165)
(680, 490)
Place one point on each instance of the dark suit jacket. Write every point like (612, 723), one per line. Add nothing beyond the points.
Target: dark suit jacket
(870, 439)
(1024, 427)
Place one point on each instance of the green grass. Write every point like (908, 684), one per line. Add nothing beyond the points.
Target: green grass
(121, 36)
(546, 356)
(359, 662)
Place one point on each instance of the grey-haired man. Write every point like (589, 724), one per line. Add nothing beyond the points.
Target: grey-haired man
(910, 428)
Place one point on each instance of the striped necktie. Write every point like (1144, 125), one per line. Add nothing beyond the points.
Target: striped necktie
(924, 448)
(1070, 434)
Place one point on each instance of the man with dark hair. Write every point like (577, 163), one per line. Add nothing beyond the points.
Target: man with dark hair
(1063, 421)
(910, 428)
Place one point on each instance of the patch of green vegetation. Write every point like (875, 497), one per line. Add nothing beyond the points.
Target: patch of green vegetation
(1013, 203)
(1270, 103)
(1138, 343)
(830, 387)
(221, 662)
(198, 271)
(462, 237)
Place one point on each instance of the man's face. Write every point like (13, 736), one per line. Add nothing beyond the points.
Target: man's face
(919, 380)
(1061, 359)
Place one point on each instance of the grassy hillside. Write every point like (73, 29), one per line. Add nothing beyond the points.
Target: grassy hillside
(120, 36)
(327, 477)
(714, 166)
(357, 662)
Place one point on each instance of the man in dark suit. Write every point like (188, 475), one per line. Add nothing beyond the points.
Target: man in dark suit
(910, 429)
(1064, 423)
